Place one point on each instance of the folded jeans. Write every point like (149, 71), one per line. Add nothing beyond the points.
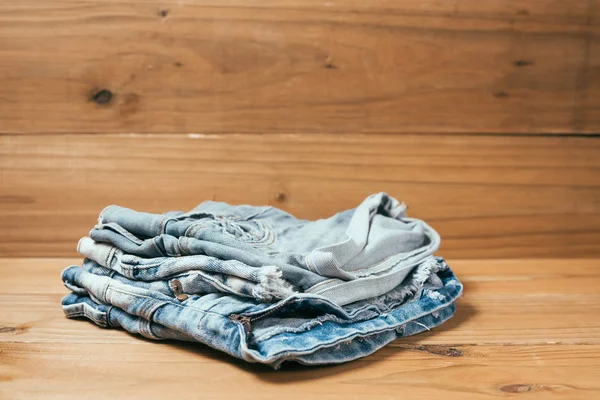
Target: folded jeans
(304, 327)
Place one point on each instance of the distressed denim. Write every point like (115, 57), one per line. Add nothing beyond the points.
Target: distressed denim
(197, 274)
(304, 327)
(354, 255)
(261, 285)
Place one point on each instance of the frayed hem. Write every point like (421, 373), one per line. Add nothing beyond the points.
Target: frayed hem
(414, 286)
(271, 285)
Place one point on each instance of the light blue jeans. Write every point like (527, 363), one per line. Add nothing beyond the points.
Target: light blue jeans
(261, 285)
(354, 255)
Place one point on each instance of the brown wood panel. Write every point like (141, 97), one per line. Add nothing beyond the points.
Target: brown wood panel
(505, 341)
(488, 196)
(590, 75)
(299, 66)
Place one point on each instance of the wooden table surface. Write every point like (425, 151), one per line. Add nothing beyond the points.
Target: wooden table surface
(524, 328)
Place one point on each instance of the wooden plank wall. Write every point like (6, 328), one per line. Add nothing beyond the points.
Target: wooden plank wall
(522, 66)
(482, 115)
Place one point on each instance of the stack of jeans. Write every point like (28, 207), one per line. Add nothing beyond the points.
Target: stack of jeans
(261, 285)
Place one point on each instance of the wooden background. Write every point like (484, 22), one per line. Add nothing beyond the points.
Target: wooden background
(482, 115)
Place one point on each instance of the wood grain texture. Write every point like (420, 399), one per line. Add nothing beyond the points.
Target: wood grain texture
(145, 371)
(299, 66)
(489, 197)
(505, 341)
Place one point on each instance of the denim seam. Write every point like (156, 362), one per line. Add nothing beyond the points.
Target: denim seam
(153, 244)
(393, 263)
(198, 228)
(165, 302)
(336, 286)
(208, 280)
(127, 267)
(138, 268)
(83, 313)
(74, 288)
(272, 235)
(310, 289)
(187, 245)
(145, 329)
(108, 316)
(180, 246)
(307, 261)
(101, 216)
(163, 224)
(194, 229)
(154, 309)
(382, 263)
(150, 326)
(185, 233)
(270, 228)
(109, 256)
(105, 290)
(119, 230)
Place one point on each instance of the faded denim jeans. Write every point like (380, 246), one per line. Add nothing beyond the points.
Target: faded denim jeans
(354, 255)
(261, 285)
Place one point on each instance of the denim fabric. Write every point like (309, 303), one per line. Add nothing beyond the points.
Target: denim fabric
(198, 274)
(354, 255)
(305, 327)
(261, 285)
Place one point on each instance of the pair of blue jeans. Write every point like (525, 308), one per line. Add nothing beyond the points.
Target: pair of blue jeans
(235, 288)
